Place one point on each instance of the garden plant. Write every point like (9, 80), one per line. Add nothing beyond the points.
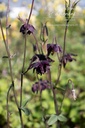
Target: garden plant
(42, 64)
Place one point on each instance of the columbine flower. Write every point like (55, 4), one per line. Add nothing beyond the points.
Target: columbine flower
(68, 58)
(51, 48)
(27, 28)
(40, 63)
(40, 86)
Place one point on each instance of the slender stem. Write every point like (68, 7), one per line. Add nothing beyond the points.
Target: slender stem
(8, 106)
(30, 11)
(64, 46)
(11, 75)
(60, 67)
(64, 49)
(55, 103)
(42, 109)
(22, 79)
(63, 99)
(7, 50)
(69, 81)
(15, 94)
(22, 72)
(7, 13)
(24, 55)
(36, 42)
(17, 105)
(24, 64)
(54, 96)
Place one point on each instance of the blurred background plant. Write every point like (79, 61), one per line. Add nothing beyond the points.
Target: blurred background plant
(52, 13)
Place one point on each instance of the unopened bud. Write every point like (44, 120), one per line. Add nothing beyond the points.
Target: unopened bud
(67, 11)
(44, 33)
(73, 8)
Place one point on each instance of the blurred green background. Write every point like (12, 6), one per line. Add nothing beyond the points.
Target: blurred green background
(51, 12)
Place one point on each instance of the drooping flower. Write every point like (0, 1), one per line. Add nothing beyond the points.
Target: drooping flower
(51, 48)
(40, 63)
(27, 28)
(74, 94)
(68, 58)
(40, 86)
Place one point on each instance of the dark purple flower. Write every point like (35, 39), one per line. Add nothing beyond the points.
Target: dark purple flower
(40, 86)
(27, 28)
(68, 58)
(51, 48)
(40, 63)
(41, 67)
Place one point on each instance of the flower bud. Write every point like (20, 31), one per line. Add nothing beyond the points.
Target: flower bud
(44, 33)
(73, 8)
(67, 11)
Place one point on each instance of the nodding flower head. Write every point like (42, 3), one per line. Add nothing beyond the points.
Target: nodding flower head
(68, 58)
(51, 48)
(27, 29)
(40, 63)
(40, 86)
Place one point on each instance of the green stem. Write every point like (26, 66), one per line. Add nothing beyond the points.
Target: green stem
(59, 74)
(7, 50)
(24, 58)
(54, 97)
(7, 13)
(55, 103)
(64, 49)
(42, 109)
(22, 72)
(11, 75)
(64, 46)
(36, 42)
(8, 106)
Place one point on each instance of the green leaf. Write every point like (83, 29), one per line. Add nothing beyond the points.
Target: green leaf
(74, 4)
(25, 110)
(25, 103)
(73, 8)
(52, 119)
(62, 118)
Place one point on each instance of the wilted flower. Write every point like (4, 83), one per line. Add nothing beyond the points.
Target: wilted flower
(68, 58)
(51, 48)
(74, 94)
(40, 86)
(40, 63)
(27, 28)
